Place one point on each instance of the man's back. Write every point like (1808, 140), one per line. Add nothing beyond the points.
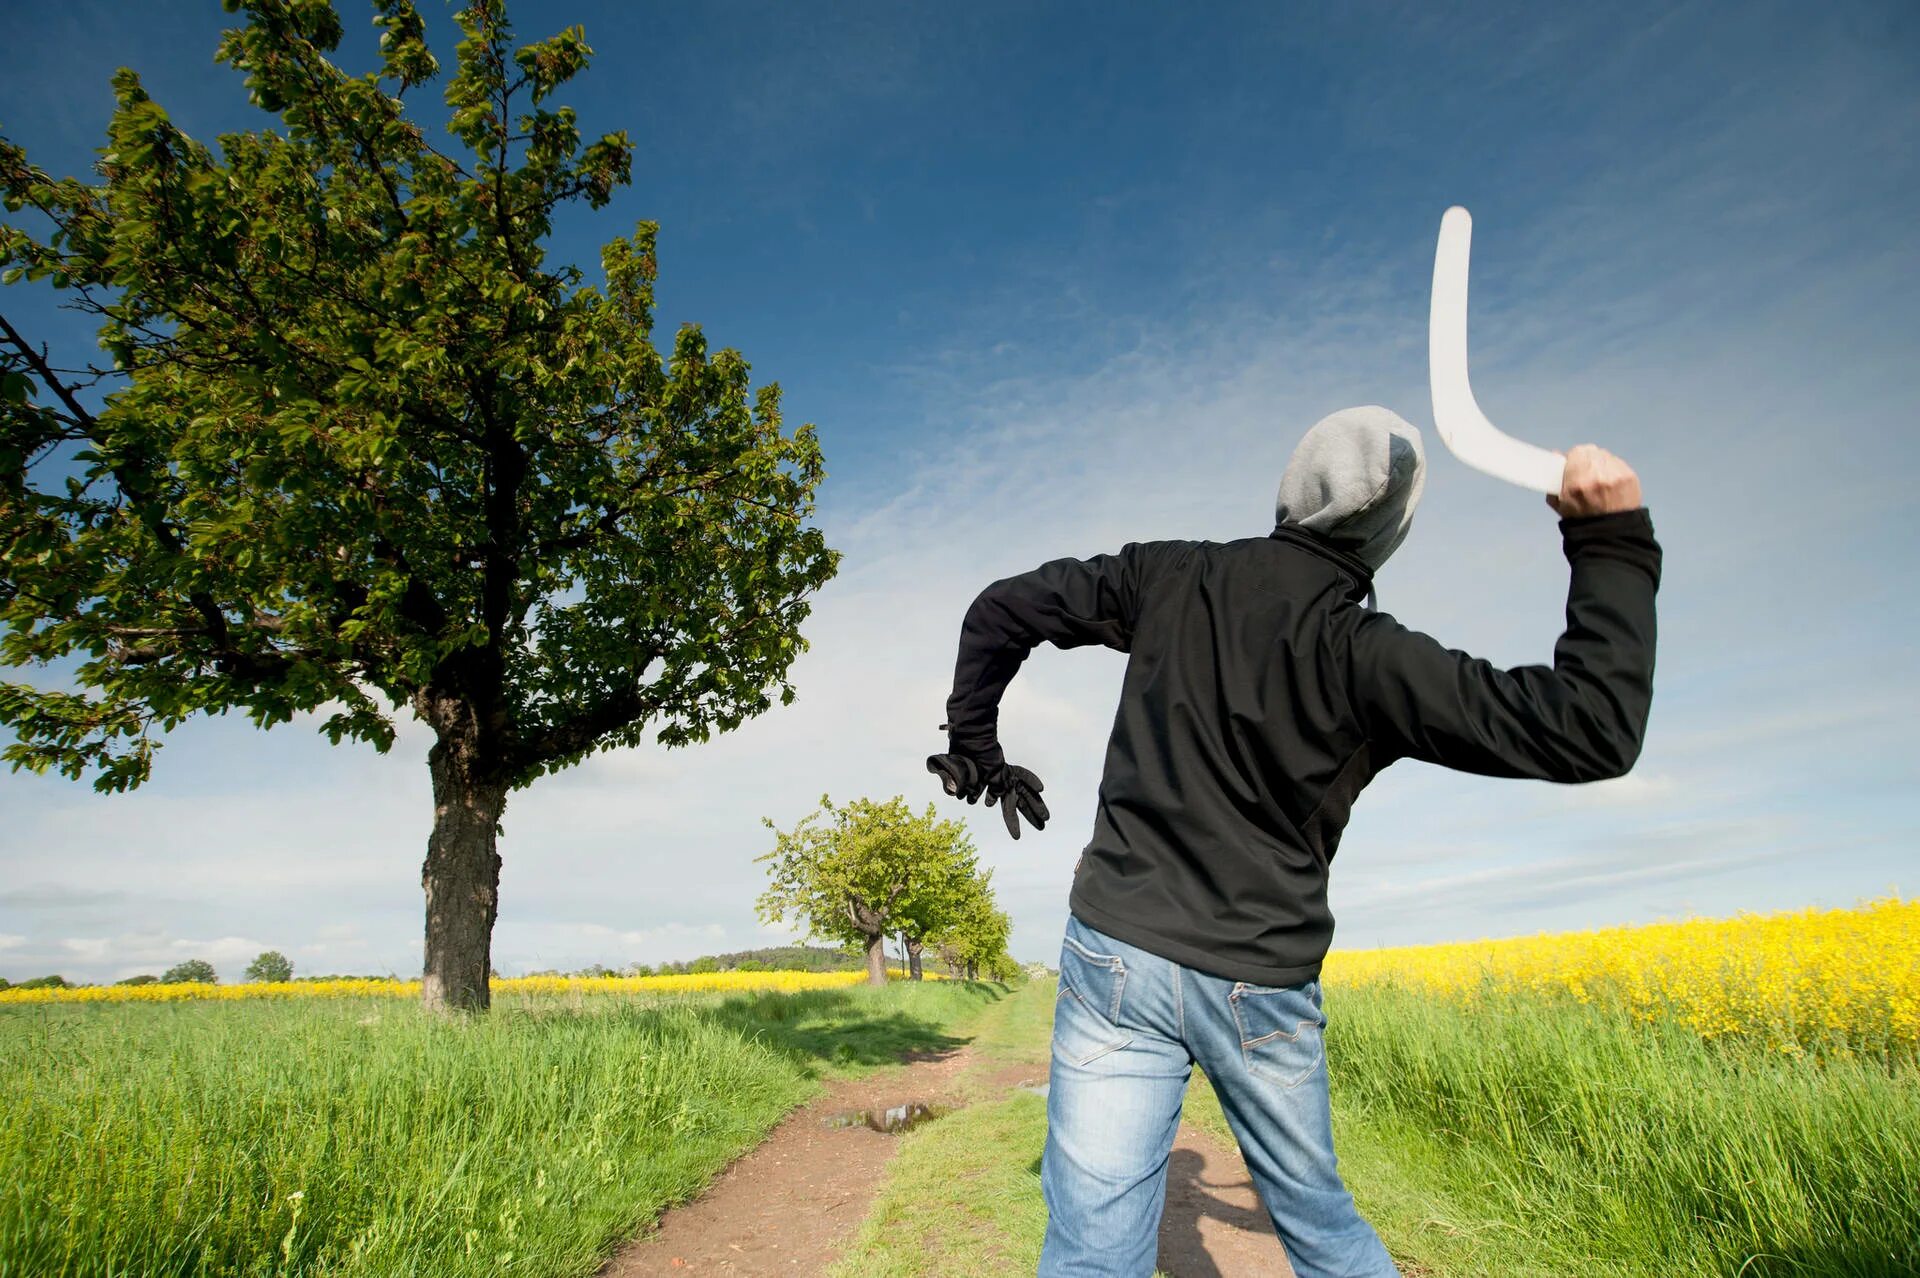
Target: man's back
(1261, 697)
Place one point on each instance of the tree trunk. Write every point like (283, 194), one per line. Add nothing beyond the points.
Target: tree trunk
(877, 959)
(972, 971)
(462, 881)
(913, 958)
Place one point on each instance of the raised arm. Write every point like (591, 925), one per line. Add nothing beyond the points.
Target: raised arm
(1583, 718)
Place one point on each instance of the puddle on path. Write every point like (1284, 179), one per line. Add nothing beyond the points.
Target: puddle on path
(899, 1118)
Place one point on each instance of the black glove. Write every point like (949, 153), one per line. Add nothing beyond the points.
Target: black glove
(965, 769)
(1017, 791)
(983, 769)
(959, 774)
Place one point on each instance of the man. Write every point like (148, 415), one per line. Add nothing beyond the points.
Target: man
(1260, 698)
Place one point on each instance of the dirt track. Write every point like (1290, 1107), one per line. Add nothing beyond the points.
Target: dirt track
(790, 1205)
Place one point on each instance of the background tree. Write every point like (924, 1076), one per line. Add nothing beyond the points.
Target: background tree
(975, 940)
(939, 899)
(272, 965)
(856, 880)
(192, 970)
(357, 438)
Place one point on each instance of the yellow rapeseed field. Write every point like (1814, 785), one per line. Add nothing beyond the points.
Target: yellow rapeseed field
(701, 983)
(1793, 980)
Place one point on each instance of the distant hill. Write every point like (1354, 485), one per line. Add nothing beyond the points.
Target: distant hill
(778, 958)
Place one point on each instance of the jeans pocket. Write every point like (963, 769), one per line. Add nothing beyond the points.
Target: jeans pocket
(1087, 1009)
(1281, 1030)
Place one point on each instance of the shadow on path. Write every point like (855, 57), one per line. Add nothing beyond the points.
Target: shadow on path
(1214, 1225)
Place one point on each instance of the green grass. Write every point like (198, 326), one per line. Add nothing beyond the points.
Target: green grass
(1529, 1129)
(353, 1137)
(1526, 1139)
(961, 1198)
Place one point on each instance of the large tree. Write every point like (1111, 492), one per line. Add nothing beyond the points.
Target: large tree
(354, 438)
(869, 874)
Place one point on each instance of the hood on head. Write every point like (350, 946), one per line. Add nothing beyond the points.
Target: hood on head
(1354, 480)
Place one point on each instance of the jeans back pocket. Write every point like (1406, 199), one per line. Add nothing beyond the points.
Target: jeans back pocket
(1281, 1030)
(1087, 1009)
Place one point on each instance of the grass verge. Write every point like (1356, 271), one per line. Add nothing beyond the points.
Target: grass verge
(962, 1194)
(239, 1139)
(1546, 1129)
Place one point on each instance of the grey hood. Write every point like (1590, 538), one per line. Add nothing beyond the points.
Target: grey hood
(1354, 480)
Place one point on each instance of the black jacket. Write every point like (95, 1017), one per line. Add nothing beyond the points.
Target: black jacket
(1261, 698)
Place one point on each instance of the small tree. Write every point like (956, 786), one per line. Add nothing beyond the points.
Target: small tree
(192, 970)
(145, 978)
(270, 966)
(356, 437)
(857, 880)
(52, 981)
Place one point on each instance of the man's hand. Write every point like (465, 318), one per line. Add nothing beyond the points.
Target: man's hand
(968, 774)
(1018, 793)
(1595, 482)
(960, 775)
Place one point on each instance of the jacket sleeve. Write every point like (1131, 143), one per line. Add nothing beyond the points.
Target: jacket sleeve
(1065, 602)
(1581, 719)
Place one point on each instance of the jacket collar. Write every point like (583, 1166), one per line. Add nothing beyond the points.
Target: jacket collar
(1350, 564)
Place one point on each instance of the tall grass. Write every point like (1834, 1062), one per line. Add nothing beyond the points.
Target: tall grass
(1662, 1152)
(232, 1139)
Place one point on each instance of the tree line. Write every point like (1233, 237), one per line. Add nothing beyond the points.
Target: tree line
(270, 966)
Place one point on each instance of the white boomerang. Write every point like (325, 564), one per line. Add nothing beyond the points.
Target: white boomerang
(1462, 426)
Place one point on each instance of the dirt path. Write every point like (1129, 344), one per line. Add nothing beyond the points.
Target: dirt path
(1214, 1225)
(789, 1205)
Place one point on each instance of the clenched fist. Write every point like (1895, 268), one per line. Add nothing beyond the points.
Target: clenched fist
(1595, 482)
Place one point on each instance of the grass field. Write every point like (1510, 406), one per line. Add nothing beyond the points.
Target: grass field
(353, 1137)
(1529, 1134)
(1497, 1116)
(1494, 1115)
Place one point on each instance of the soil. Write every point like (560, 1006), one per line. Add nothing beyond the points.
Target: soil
(792, 1203)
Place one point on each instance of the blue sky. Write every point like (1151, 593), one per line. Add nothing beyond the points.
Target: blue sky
(1050, 278)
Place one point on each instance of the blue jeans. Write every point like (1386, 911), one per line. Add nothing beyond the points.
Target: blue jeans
(1128, 1027)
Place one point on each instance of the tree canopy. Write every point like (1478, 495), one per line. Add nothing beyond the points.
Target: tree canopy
(192, 970)
(271, 965)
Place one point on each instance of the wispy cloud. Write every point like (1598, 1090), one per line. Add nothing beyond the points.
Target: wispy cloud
(1681, 264)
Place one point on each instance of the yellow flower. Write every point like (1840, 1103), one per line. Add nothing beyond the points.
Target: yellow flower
(1792, 980)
